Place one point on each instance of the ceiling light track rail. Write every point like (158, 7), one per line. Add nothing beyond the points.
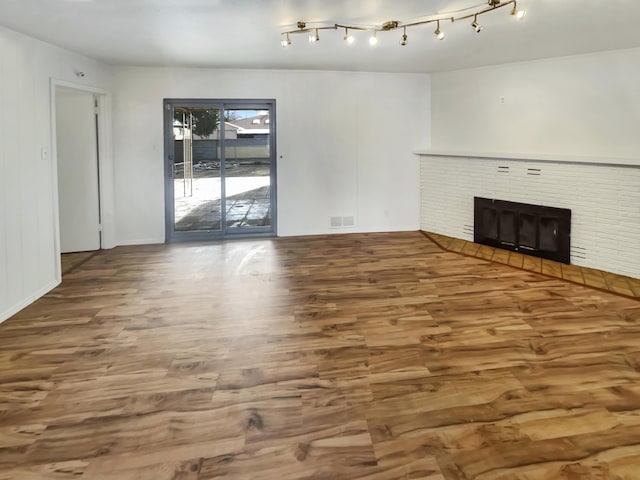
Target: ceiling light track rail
(314, 31)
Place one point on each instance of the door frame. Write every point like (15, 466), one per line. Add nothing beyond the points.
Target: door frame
(105, 167)
(233, 103)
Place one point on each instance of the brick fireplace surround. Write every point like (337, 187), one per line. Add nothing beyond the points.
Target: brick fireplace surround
(603, 195)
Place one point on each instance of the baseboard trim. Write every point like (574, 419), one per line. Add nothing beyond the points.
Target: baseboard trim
(140, 241)
(10, 312)
(347, 230)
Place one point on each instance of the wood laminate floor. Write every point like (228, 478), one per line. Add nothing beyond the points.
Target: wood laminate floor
(366, 356)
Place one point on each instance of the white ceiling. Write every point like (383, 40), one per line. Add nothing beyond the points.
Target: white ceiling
(246, 33)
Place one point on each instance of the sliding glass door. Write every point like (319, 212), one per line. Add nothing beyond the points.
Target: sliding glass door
(219, 168)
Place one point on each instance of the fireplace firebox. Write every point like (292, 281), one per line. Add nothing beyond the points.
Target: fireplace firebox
(521, 227)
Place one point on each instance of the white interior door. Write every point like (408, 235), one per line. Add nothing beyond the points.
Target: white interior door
(77, 153)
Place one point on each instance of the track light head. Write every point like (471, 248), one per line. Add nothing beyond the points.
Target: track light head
(348, 38)
(475, 25)
(373, 40)
(314, 37)
(439, 33)
(285, 42)
(519, 14)
(403, 40)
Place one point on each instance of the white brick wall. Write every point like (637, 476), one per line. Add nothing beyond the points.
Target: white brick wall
(604, 202)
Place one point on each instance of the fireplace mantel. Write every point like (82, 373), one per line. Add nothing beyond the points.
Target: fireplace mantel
(628, 162)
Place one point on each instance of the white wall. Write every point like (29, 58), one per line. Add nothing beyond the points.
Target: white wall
(575, 107)
(581, 105)
(27, 182)
(344, 143)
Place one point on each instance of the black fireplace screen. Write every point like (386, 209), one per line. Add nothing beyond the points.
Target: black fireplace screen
(531, 229)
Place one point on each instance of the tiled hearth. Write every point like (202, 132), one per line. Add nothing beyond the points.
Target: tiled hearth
(619, 284)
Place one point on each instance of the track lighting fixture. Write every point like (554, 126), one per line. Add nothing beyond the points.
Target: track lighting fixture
(373, 40)
(460, 14)
(403, 40)
(439, 33)
(475, 25)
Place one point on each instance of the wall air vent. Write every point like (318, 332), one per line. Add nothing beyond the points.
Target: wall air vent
(345, 221)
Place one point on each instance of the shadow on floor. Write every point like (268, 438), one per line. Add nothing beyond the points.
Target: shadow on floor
(70, 261)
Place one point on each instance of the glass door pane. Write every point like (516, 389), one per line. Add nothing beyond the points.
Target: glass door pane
(247, 168)
(197, 169)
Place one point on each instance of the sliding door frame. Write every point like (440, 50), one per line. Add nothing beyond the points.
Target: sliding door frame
(171, 235)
